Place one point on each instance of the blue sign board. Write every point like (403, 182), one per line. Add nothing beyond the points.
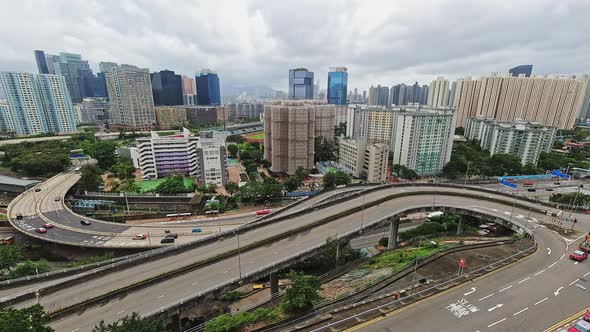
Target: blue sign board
(561, 175)
(508, 184)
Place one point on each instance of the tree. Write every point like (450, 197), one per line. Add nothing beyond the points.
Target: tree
(325, 149)
(460, 131)
(231, 187)
(405, 172)
(335, 178)
(129, 186)
(232, 149)
(505, 164)
(212, 188)
(31, 319)
(301, 173)
(173, 184)
(90, 179)
(9, 256)
(133, 323)
(291, 183)
(124, 168)
(104, 153)
(302, 294)
(340, 131)
(28, 268)
(531, 169)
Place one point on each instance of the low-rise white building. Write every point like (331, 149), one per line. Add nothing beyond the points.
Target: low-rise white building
(520, 138)
(362, 160)
(203, 157)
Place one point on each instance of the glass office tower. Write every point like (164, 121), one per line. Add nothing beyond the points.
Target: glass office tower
(207, 83)
(337, 85)
(300, 84)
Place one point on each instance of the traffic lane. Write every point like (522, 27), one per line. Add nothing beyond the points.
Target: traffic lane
(207, 277)
(67, 219)
(495, 295)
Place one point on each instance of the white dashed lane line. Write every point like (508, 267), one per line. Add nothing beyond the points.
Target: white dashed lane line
(505, 288)
(550, 266)
(523, 280)
(573, 282)
(498, 322)
(541, 301)
(485, 297)
(539, 272)
(521, 311)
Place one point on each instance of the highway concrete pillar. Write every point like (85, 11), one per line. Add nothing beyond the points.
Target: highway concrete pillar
(393, 232)
(337, 252)
(460, 225)
(274, 283)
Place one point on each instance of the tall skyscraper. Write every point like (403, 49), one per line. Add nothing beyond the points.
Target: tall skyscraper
(92, 86)
(130, 96)
(207, 83)
(438, 94)
(290, 129)
(525, 70)
(300, 84)
(166, 88)
(554, 101)
(337, 85)
(379, 95)
(68, 65)
(36, 104)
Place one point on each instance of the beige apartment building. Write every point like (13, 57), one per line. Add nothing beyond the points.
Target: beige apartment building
(554, 101)
(290, 129)
(130, 97)
(362, 160)
(170, 117)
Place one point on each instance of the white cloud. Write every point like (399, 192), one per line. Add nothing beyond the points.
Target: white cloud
(255, 42)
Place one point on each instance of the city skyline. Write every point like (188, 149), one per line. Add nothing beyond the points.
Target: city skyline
(263, 45)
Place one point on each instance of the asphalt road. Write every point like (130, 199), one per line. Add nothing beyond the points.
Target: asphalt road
(153, 298)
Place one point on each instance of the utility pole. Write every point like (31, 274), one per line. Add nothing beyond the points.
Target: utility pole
(239, 255)
(467, 173)
(416, 264)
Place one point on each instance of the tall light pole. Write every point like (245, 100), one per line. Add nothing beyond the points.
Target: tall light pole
(467, 173)
(416, 263)
(435, 190)
(239, 255)
(513, 204)
(574, 204)
(362, 213)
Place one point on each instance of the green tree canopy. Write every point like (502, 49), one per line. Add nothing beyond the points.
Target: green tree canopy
(28, 268)
(325, 149)
(335, 178)
(124, 168)
(405, 172)
(31, 319)
(173, 184)
(235, 139)
(232, 149)
(90, 179)
(132, 323)
(104, 153)
(10, 256)
(302, 294)
(231, 187)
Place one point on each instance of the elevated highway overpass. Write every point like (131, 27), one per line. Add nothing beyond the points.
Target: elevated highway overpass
(375, 205)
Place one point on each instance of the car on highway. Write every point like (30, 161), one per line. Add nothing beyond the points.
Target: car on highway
(549, 189)
(171, 236)
(578, 255)
(586, 317)
(197, 230)
(262, 212)
(56, 198)
(37, 190)
(140, 237)
(47, 226)
(586, 212)
(41, 230)
(557, 183)
(85, 222)
(580, 326)
(532, 190)
(167, 240)
(19, 216)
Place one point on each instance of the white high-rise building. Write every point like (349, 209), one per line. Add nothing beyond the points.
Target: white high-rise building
(438, 93)
(525, 140)
(36, 104)
(130, 97)
(422, 138)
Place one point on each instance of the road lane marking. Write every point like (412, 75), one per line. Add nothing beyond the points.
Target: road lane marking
(485, 297)
(562, 256)
(573, 282)
(120, 312)
(587, 273)
(473, 289)
(76, 330)
(580, 287)
(505, 288)
(498, 306)
(520, 312)
(542, 272)
(541, 301)
(557, 291)
(576, 263)
(523, 280)
(498, 322)
(159, 297)
(194, 283)
(548, 251)
(226, 271)
(550, 266)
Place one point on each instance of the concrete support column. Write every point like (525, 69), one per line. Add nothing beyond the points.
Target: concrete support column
(460, 225)
(274, 283)
(393, 232)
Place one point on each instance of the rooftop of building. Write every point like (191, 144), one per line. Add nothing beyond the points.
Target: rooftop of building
(7, 180)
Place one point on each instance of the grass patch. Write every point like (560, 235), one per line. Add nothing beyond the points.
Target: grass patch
(149, 185)
(397, 258)
(92, 259)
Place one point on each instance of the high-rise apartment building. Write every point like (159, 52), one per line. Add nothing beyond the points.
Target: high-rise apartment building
(438, 93)
(68, 65)
(301, 84)
(245, 111)
(208, 91)
(554, 101)
(525, 70)
(92, 86)
(204, 157)
(95, 110)
(36, 104)
(290, 129)
(166, 88)
(419, 137)
(362, 160)
(525, 140)
(379, 95)
(422, 138)
(130, 97)
(337, 85)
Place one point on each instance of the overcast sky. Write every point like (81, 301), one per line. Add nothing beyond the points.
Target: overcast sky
(255, 42)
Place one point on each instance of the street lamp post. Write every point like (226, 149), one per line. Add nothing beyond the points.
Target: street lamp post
(416, 264)
(362, 213)
(467, 173)
(513, 204)
(239, 255)
(435, 190)
(574, 204)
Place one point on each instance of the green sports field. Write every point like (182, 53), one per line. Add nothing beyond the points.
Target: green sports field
(256, 136)
(148, 185)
